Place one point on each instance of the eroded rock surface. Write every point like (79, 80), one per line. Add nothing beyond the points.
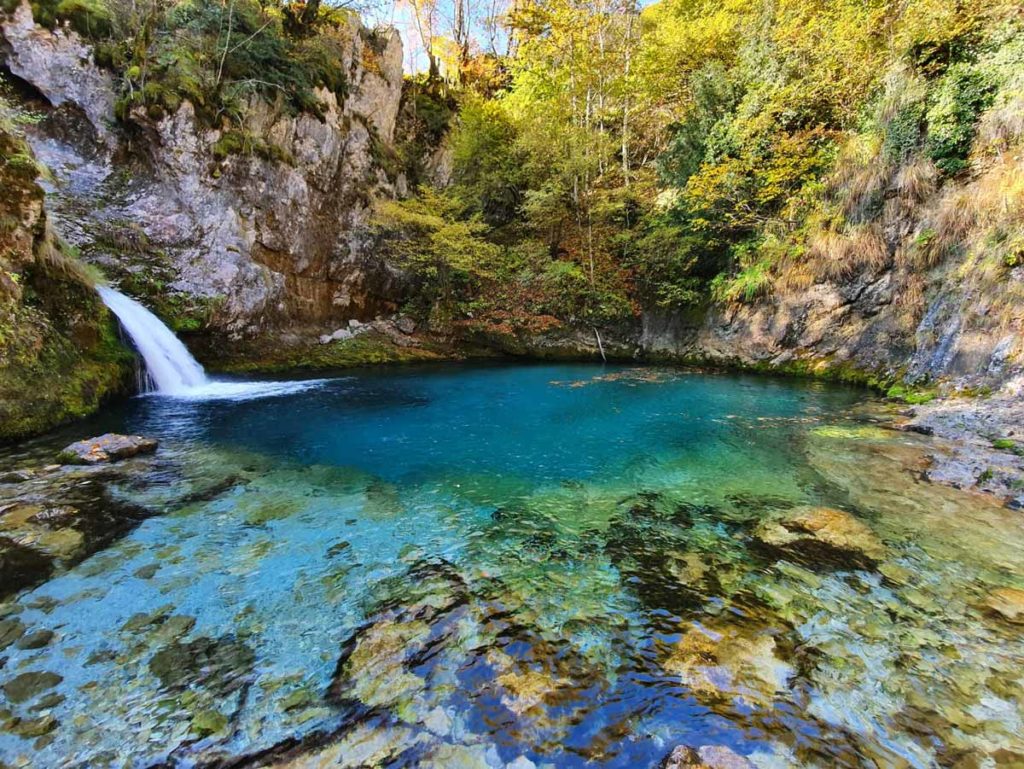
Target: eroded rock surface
(822, 531)
(238, 244)
(109, 447)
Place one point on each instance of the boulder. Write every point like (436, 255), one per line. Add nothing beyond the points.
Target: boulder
(405, 324)
(1008, 603)
(107, 448)
(341, 335)
(815, 534)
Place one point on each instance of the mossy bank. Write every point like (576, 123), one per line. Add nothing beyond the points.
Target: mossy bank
(60, 355)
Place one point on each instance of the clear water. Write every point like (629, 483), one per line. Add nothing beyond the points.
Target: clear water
(476, 566)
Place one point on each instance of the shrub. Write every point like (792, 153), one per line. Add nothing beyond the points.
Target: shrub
(955, 105)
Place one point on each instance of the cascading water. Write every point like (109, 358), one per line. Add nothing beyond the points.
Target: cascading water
(170, 367)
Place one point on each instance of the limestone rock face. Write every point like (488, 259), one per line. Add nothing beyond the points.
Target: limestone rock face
(60, 65)
(236, 244)
(887, 318)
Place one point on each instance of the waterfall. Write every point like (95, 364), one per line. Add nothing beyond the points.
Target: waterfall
(170, 367)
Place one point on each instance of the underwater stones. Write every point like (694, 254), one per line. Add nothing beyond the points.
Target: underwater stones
(1008, 603)
(141, 620)
(58, 515)
(374, 671)
(731, 663)
(174, 627)
(21, 566)
(16, 476)
(31, 727)
(26, 686)
(527, 689)
(426, 625)
(365, 745)
(109, 447)
(36, 640)
(815, 534)
(446, 756)
(148, 571)
(438, 722)
(10, 631)
(705, 757)
(297, 698)
(207, 722)
(218, 665)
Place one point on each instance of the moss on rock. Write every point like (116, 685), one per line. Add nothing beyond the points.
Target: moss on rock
(60, 356)
(367, 349)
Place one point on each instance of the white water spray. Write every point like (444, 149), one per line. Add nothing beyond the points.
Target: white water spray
(171, 369)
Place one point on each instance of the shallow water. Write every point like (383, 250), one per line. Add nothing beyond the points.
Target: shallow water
(566, 565)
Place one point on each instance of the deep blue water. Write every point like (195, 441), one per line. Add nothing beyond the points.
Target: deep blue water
(466, 565)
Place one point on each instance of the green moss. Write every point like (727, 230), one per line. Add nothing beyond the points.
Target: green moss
(52, 377)
(246, 143)
(915, 396)
(367, 349)
(60, 356)
(1006, 444)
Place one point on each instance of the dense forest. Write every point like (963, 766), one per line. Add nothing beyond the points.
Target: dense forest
(699, 151)
(599, 157)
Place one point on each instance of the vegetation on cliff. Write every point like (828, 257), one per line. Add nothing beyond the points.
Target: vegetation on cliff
(694, 152)
(217, 56)
(59, 352)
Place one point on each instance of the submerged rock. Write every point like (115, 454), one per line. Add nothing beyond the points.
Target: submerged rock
(32, 727)
(217, 665)
(24, 687)
(36, 640)
(109, 447)
(21, 566)
(10, 631)
(822, 533)
(1008, 603)
(730, 663)
(705, 757)
(528, 689)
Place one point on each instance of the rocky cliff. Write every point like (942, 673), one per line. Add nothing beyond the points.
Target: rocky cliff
(928, 289)
(240, 232)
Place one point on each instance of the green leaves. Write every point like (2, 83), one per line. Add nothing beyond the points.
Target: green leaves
(954, 107)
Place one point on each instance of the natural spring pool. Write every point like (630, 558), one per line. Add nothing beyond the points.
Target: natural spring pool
(542, 565)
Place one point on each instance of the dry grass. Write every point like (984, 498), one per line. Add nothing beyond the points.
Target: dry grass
(839, 255)
(51, 254)
(1000, 194)
(1002, 127)
(917, 181)
(798, 275)
(955, 219)
(910, 299)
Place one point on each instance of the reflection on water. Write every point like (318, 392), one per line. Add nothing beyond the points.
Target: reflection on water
(555, 566)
